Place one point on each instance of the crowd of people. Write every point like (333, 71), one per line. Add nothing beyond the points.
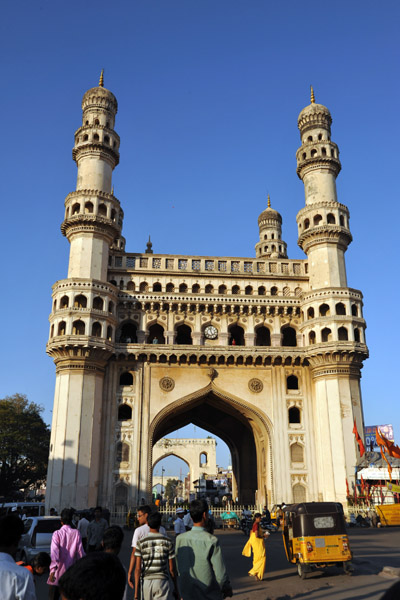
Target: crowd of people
(83, 563)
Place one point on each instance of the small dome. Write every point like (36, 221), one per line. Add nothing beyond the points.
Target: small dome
(314, 115)
(100, 96)
(314, 109)
(269, 214)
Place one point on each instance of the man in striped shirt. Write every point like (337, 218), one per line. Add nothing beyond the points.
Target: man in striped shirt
(155, 558)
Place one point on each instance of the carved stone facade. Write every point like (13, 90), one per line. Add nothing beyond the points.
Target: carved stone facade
(263, 352)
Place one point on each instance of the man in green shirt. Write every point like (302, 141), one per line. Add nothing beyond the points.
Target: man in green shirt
(201, 569)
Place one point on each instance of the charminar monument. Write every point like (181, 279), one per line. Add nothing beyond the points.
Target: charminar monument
(264, 352)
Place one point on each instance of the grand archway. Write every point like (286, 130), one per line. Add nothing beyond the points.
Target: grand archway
(240, 425)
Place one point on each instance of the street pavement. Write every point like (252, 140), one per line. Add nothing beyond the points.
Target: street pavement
(373, 549)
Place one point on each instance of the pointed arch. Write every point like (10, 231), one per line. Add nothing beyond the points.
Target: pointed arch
(245, 414)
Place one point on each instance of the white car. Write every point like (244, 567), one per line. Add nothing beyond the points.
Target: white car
(37, 536)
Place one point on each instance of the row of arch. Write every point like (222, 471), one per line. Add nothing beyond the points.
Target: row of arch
(326, 335)
(78, 327)
(222, 289)
(324, 310)
(90, 208)
(318, 220)
(81, 301)
(95, 137)
(183, 335)
(322, 151)
(318, 138)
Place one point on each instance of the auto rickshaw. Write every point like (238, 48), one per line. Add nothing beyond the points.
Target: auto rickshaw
(314, 535)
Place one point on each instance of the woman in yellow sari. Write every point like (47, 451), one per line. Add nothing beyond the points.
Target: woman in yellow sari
(256, 544)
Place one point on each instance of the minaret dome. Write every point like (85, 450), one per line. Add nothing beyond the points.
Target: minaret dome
(270, 226)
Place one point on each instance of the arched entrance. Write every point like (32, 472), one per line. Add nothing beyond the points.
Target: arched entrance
(198, 454)
(239, 424)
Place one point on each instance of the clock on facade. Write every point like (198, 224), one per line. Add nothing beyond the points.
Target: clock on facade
(211, 333)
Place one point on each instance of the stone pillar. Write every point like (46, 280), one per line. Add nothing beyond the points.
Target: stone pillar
(141, 336)
(223, 339)
(73, 472)
(170, 337)
(249, 338)
(196, 337)
(276, 339)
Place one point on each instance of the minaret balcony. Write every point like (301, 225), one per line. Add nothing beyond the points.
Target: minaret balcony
(90, 222)
(325, 234)
(96, 148)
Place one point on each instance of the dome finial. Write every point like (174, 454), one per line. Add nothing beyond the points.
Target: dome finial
(312, 95)
(269, 202)
(101, 80)
(149, 249)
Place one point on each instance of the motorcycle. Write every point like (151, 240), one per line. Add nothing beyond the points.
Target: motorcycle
(246, 525)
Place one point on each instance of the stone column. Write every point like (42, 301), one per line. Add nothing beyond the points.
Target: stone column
(73, 472)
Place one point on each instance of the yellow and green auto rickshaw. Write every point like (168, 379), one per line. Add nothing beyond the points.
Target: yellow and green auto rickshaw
(314, 535)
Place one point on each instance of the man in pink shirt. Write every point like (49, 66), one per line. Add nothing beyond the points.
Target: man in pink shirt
(66, 548)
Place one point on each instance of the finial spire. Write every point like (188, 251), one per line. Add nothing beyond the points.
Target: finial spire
(312, 95)
(101, 80)
(269, 202)
(149, 249)
(112, 191)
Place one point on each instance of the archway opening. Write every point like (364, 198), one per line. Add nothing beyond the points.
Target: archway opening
(127, 333)
(170, 480)
(156, 334)
(239, 427)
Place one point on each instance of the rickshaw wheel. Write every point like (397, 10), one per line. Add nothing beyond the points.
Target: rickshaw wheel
(301, 570)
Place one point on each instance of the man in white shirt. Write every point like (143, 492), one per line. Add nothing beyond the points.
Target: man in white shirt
(139, 533)
(16, 583)
(179, 525)
(83, 525)
(187, 521)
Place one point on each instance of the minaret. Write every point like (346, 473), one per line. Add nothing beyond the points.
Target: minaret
(333, 326)
(83, 320)
(323, 224)
(271, 244)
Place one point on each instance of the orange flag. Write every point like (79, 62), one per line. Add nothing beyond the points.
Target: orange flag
(388, 445)
(388, 464)
(347, 488)
(358, 439)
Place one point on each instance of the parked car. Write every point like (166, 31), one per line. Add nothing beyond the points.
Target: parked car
(37, 536)
(35, 509)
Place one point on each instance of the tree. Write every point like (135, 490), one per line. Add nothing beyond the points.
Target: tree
(170, 489)
(24, 444)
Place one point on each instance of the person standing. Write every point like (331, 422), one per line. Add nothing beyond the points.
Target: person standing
(155, 559)
(187, 521)
(256, 544)
(201, 568)
(15, 581)
(83, 525)
(112, 543)
(140, 532)
(95, 530)
(97, 575)
(66, 548)
(179, 525)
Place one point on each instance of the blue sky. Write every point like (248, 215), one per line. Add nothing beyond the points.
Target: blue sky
(209, 93)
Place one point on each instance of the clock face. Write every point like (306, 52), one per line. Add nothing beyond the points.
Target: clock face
(211, 332)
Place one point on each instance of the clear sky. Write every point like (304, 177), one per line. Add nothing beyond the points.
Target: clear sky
(209, 93)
